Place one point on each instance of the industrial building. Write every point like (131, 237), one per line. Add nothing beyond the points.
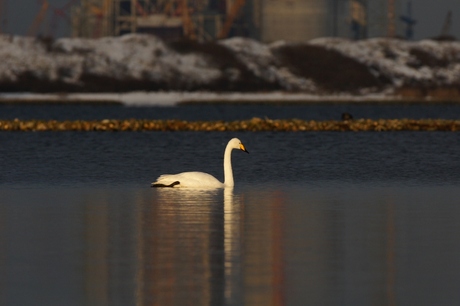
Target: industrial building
(265, 20)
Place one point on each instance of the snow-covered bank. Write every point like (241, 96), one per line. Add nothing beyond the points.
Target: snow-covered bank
(176, 98)
(326, 66)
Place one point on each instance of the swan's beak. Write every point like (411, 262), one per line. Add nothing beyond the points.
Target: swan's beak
(242, 148)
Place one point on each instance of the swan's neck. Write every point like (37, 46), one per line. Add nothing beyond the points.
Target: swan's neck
(228, 172)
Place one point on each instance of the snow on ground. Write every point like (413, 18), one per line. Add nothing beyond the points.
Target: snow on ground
(167, 99)
(137, 57)
(404, 62)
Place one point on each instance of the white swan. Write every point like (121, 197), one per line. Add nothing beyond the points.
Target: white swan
(201, 179)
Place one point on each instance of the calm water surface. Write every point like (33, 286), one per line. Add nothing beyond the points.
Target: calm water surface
(315, 218)
(311, 111)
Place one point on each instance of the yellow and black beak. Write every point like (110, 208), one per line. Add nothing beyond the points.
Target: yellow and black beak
(242, 148)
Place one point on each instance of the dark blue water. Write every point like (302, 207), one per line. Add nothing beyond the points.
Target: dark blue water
(313, 111)
(320, 218)
(64, 158)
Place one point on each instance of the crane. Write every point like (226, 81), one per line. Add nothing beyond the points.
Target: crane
(188, 26)
(100, 13)
(232, 15)
(35, 26)
(59, 13)
(140, 9)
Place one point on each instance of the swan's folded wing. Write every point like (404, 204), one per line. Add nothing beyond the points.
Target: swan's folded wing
(166, 180)
(187, 179)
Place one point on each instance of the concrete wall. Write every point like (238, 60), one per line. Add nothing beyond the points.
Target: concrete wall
(295, 20)
(302, 20)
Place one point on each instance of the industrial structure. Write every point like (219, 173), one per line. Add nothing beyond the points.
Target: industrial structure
(265, 20)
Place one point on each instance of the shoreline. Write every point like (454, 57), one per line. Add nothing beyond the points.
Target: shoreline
(183, 98)
(251, 125)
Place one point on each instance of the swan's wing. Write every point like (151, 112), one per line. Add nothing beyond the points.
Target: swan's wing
(188, 180)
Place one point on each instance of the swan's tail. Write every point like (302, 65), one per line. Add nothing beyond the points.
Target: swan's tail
(166, 180)
(156, 184)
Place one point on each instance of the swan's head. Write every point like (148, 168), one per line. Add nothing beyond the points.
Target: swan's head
(235, 143)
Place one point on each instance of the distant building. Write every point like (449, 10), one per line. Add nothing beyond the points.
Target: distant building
(265, 20)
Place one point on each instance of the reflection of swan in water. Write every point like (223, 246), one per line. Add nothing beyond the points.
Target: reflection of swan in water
(201, 179)
(188, 196)
(213, 216)
(232, 247)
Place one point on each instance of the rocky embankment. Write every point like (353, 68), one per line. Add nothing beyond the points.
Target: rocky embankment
(252, 125)
(142, 62)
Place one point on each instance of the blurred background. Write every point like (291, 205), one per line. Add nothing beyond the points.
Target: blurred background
(264, 20)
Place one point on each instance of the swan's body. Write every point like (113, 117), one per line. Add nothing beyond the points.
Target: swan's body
(201, 179)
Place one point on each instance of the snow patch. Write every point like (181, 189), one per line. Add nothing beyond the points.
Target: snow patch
(138, 57)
